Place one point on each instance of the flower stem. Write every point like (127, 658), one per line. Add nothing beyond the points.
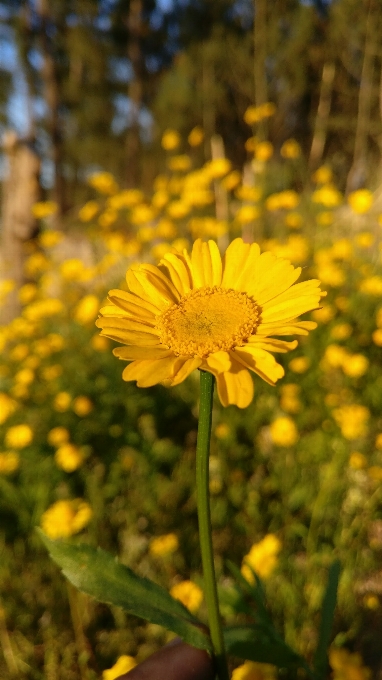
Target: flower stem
(204, 517)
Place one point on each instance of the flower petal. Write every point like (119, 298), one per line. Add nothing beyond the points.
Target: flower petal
(206, 264)
(259, 361)
(179, 272)
(288, 327)
(235, 387)
(150, 372)
(183, 368)
(218, 361)
(271, 344)
(133, 305)
(152, 286)
(234, 261)
(134, 352)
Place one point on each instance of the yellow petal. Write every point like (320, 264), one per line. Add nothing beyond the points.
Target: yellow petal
(235, 260)
(133, 305)
(150, 372)
(235, 387)
(206, 264)
(271, 344)
(147, 290)
(134, 352)
(259, 361)
(288, 327)
(125, 323)
(219, 361)
(179, 272)
(270, 278)
(183, 368)
(112, 310)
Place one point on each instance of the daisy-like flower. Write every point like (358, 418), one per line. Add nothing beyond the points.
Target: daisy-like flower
(212, 313)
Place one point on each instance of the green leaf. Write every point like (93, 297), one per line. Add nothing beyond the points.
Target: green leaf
(97, 573)
(253, 644)
(320, 662)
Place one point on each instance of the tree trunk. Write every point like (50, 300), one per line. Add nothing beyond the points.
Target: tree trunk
(20, 191)
(323, 113)
(260, 56)
(135, 92)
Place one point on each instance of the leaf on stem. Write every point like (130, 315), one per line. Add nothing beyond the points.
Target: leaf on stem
(100, 575)
(320, 662)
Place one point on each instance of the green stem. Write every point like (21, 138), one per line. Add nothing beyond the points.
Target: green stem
(204, 517)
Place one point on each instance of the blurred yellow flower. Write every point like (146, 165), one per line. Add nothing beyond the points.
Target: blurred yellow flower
(142, 213)
(178, 209)
(324, 218)
(360, 201)
(18, 436)
(88, 211)
(341, 331)
(50, 238)
(27, 292)
(170, 140)
(323, 175)
(328, 195)
(9, 462)
(103, 182)
(218, 167)
(378, 441)
(284, 200)
(196, 136)
(189, 594)
(293, 220)
(371, 602)
(263, 151)
(290, 149)
(7, 407)
(335, 356)
(180, 163)
(62, 402)
(347, 666)
(124, 664)
(325, 314)
(364, 239)
(254, 114)
(35, 264)
(246, 192)
(164, 545)
(247, 214)
(355, 365)
(371, 285)
(52, 372)
(262, 558)
(44, 209)
(251, 670)
(25, 376)
(199, 312)
(69, 457)
(82, 406)
(357, 461)
(72, 269)
(86, 310)
(58, 435)
(99, 343)
(375, 473)
(65, 518)
(222, 431)
(231, 180)
(299, 364)
(352, 419)
(289, 400)
(284, 431)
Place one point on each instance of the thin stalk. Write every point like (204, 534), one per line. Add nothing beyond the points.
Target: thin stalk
(204, 517)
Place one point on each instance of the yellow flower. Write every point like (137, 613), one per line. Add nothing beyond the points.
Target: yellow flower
(88, 211)
(50, 238)
(69, 457)
(341, 331)
(103, 182)
(196, 136)
(357, 460)
(325, 314)
(189, 594)
(27, 292)
(222, 431)
(284, 431)
(254, 114)
(378, 441)
(299, 364)
(323, 175)
(247, 213)
(375, 473)
(170, 140)
(164, 545)
(263, 151)
(328, 196)
(218, 167)
(124, 664)
(62, 402)
(364, 239)
(324, 218)
(65, 518)
(86, 309)
(251, 670)
(18, 436)
(44, 209)
(262, 558)
(179, 163)
(9, 462)
(248, 193)
(25, 376)
(57, 436)
(82, 406)
(231, 180)
(360, 201)
(347, 666)
(355, 365)
(293, 220)
(289, 401)
(201, 312)
(372, 285)
(371, 602)
(7, 407)
(290, 149)
(99, 343)
(43, 309)
(352, 419)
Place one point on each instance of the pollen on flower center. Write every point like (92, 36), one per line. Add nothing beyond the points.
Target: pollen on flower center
(207, 320)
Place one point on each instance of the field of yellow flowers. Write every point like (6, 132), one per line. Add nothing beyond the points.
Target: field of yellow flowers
(295, 479)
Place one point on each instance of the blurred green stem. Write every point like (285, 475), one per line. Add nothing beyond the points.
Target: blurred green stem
(204, 517)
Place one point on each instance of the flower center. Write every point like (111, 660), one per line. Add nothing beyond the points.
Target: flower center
(208, 320)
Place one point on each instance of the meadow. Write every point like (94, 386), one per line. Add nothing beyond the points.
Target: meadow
(296, 478)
